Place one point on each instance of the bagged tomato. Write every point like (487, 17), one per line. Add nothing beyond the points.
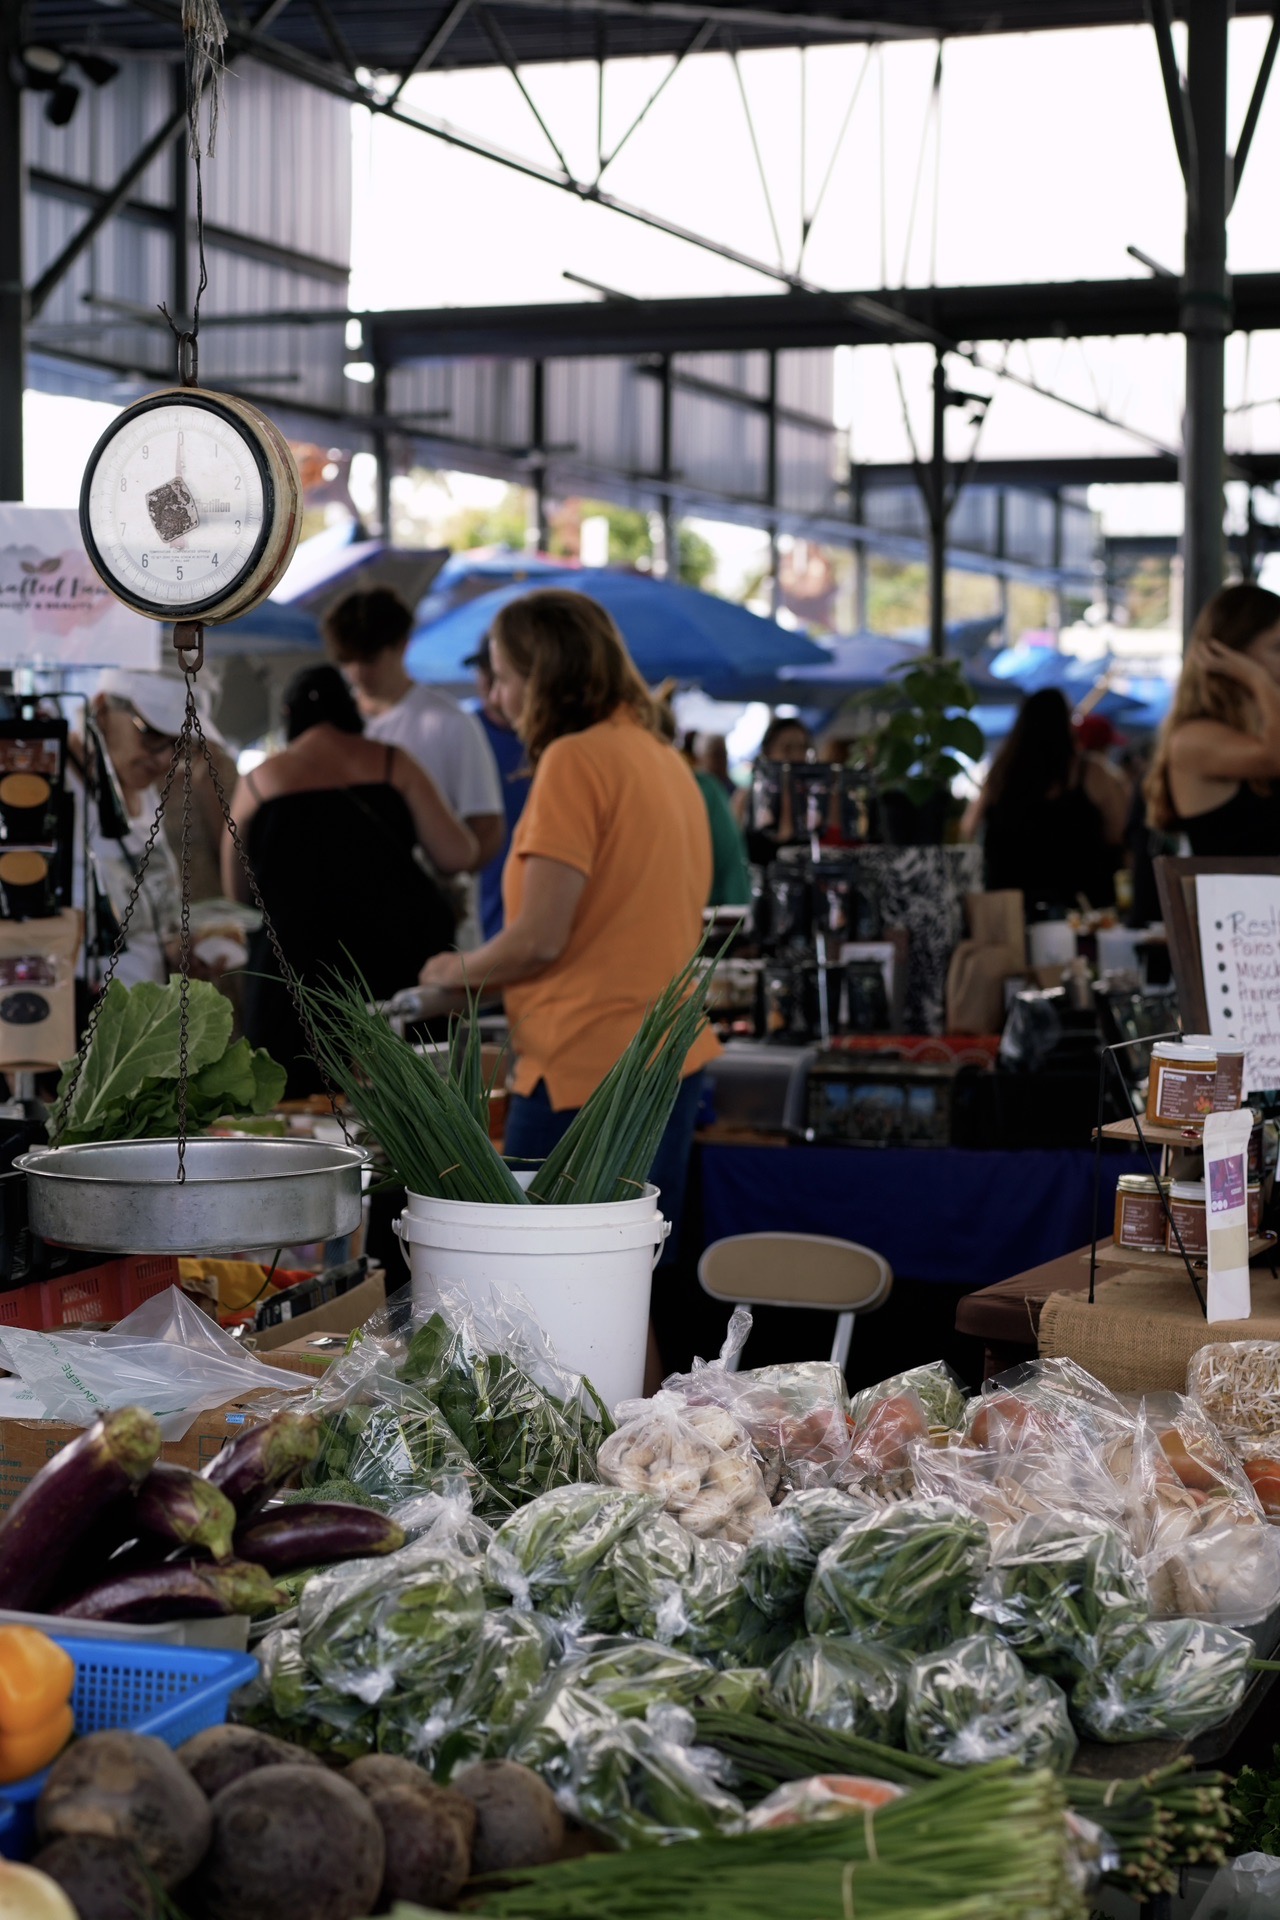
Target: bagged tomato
(880, 1457)
(827, 1796)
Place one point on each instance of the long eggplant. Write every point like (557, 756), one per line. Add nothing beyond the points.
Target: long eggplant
(179, 1506)
(158, 1593)
(45, 1524)
(252, 1467)
(179, 1590)
(312, 1533)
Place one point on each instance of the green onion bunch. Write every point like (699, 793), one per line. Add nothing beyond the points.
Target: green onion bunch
(998, 1830)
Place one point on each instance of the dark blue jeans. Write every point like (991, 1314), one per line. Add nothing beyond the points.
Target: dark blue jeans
(534, 1128)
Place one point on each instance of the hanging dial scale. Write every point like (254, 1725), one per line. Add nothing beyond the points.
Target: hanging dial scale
(191, 508)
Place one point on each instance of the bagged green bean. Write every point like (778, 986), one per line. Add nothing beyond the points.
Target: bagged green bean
(631, 1676)
(543, 1554)
(846, 1685)
(407, 1623)
(511, 1658)
(906, 1573)
(975, 1702)
(687, 1593)
(1168, 1680)
(1057, 1587)
(940, 1391)
(779, 1562)
(389, 1442)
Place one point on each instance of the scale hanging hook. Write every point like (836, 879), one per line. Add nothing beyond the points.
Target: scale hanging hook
(188, 638)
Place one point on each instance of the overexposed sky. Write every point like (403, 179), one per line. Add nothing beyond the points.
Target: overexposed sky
(1055, 153)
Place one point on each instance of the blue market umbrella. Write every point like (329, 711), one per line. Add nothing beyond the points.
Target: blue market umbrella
(852, 665)
(270, 628)
(466, 575)
(672, 631)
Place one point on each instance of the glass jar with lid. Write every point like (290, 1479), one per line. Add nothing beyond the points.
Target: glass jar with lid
(1140, 1222)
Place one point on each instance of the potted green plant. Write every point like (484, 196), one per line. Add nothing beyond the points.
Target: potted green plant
(913, 751)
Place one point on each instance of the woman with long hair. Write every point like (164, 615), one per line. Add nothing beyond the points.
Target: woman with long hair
(1052, 818)
(1217, 761)
(332, 824)
(608, 874)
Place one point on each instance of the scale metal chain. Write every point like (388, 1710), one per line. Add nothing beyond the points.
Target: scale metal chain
(190, 724)
(58, 1116)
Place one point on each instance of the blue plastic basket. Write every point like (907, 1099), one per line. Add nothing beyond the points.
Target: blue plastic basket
(172, 1692)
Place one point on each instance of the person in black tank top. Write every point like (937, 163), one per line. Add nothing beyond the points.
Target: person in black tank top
(339, 872)
(1052, 818)
(1216, 772)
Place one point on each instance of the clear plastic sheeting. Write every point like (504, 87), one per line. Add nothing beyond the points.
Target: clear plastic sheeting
(1247, 1888)
(165, 1356)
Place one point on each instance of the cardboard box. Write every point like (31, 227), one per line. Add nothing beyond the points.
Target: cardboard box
(310, 1356)
(27, 1445)
(343, 1315)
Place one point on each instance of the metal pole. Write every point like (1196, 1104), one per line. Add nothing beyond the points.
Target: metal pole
(13, 299)
(1206, 303)
(936, 503)
(382, 451)
(181, 163)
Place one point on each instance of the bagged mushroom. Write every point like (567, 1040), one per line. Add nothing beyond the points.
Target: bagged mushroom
(696, 1460)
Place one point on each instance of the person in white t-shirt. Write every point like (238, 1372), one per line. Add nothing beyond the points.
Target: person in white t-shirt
(366, 635)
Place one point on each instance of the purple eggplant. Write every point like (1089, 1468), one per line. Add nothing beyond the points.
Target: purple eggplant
(179, 1590)
(43, 1528)
(312, 1533)
(252, 1467)
(180, 1507)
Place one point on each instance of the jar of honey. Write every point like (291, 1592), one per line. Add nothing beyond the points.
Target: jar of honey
(1228, 1089)
(1140, 1223)
(1188, 1213)
(1255, 1206)
(1183, 1080)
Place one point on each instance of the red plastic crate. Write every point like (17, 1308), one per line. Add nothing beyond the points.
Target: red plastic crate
(23, 1307)
(107, 1292)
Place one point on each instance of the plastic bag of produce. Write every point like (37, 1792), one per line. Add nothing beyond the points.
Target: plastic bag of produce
(1045, 1404)
(1057, 1586)
(631, 1676)
(696, 1460)
(975, 1702)
(826, 1796)
(796, 1414)
(1237, 1385)
(779, 1561)
(685, 1592)
(408, 1622)
(391, 1442)
(907, 1573)
(1002, 1487)
(1169, 1680)
(884, 1442)
(934, 1384)
(511, 1657)
(543, 1554)
(845, 1685)
(1247, 1888)
(289, 1700)
(644, 1783)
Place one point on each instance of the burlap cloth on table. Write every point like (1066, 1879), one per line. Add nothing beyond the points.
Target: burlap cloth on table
(1144, 1327)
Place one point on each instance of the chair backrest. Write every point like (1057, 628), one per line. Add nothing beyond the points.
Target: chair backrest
(796, 1270)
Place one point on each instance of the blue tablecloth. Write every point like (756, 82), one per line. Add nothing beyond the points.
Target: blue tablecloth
(944, 1215)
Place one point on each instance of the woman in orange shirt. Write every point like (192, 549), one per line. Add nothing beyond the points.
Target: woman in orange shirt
(604, 887)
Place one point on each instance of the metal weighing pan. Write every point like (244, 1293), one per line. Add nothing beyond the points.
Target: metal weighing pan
(123, 1196)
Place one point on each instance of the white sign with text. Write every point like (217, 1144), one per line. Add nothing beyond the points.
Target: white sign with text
(1239, 916)
(54, 610)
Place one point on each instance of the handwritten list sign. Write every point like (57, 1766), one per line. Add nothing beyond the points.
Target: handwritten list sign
(1239, 917)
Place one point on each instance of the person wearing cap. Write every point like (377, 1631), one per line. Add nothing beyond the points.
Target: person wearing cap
(367, 636)
(137, 718)
(513, 770)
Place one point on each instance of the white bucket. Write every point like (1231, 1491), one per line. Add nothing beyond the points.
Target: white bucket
(586, 1272)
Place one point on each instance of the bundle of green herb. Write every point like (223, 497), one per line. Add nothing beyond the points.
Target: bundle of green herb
(128, 1085)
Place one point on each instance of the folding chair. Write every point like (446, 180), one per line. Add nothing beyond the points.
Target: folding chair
(810, 1270)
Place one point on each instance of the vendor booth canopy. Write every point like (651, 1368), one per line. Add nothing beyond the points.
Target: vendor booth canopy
(672, 631)
(860, 663)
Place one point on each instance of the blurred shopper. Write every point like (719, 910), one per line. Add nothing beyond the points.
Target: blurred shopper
(730, 874)
(711, 756)
(609, 870)
(513, 770)
(1217, 760)
(333, 824)
(137, 718)
(367, 634)
(787, 742)
(1052, 818)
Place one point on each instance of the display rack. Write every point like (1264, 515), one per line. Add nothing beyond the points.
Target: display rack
(1149, 1135)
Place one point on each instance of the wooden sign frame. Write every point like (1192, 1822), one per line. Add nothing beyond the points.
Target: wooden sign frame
(1176, 882)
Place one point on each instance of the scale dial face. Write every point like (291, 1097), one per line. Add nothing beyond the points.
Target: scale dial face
(177, 505)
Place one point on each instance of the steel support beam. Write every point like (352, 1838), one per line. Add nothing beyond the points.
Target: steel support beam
(13, 304)
(1206, 303)
(935, 495)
